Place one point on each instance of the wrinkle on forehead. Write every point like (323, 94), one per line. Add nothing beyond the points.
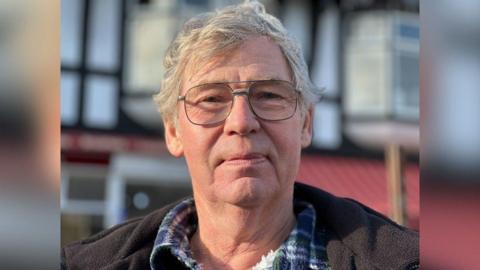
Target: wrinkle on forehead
(201, 69)
(206, 71)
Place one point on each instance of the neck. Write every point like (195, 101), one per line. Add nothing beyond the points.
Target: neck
(233, 237)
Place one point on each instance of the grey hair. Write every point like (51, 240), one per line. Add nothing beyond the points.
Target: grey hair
(215, 33)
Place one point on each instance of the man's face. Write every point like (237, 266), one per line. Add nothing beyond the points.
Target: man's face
(244, 160)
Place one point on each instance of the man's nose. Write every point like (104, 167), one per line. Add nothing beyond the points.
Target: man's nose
(241, 119)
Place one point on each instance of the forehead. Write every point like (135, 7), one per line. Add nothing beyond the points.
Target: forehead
(258, 58)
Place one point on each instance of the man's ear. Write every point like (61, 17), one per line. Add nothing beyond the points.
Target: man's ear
(172, 138)
(306, 136)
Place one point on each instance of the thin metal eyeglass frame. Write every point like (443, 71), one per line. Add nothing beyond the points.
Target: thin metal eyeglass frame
(240, 92)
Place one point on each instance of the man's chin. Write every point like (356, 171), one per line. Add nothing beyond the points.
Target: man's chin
(245, 192)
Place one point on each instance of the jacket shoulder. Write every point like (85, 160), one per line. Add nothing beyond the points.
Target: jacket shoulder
(133, 239)
(370, 239)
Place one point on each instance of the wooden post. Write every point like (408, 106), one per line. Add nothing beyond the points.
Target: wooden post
(395, 163)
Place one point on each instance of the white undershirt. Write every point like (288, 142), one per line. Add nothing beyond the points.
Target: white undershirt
(267, 261)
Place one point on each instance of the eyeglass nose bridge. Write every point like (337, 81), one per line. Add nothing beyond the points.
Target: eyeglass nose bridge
(244, 92)
(241, 92)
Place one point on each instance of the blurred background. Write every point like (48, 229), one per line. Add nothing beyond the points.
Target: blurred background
(363, 53)
(450, 134)
(29, 134)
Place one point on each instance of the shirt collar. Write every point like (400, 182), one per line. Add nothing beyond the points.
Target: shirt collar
(304, 246)
(174, 233)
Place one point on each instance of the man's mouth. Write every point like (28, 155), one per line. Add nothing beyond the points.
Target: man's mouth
(245, 159)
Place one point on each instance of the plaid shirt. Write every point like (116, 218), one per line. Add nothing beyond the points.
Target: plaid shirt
(303, 249)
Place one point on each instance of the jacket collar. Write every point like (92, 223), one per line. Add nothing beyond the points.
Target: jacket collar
(369, 239)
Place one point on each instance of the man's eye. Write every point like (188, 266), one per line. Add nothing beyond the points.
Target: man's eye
(212, 99)
(268, 96)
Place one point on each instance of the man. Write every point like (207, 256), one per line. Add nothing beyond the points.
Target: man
(236, 102)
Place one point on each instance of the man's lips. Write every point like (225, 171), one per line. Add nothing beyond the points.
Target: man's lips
(244, 159)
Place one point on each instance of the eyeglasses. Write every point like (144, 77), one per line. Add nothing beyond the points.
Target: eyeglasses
(211, 103)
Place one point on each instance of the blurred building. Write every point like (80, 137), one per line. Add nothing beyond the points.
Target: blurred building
(362, 53)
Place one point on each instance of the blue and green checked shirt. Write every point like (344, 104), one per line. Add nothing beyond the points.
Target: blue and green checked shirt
(303, 249)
